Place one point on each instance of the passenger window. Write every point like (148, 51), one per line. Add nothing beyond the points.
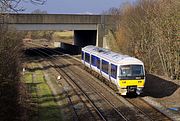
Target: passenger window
(98, 63)
(113, 71)
(93, 60)
(105, 66)
(82, 55)
(87, 57)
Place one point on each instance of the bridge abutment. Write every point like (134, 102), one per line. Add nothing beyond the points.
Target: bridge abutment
(100, 35)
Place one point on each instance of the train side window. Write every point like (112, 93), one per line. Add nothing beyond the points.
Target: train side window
(98, 62)
(114, 71)
(82, 55)
(87, 57)
(105, 66)
(93, 60)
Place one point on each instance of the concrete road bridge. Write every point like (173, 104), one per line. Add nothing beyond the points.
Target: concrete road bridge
(88, 29)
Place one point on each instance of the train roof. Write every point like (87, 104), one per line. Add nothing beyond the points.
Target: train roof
(111, 56)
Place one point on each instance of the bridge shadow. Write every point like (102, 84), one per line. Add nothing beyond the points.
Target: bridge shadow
(80, 107)
(157, 87)
(38, 55)
(34, 52)
(49, 66)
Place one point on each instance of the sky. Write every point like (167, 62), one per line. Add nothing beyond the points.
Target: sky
(74, 6)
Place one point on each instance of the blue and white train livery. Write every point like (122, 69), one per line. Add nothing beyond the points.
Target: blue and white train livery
(125, 72)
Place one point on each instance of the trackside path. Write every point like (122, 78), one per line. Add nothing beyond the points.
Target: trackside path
(43, 104)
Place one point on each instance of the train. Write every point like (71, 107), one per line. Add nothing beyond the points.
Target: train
(126, 73)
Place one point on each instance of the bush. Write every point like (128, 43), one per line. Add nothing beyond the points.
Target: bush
(10, 66)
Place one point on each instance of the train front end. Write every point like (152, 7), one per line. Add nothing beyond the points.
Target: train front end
(131, 79)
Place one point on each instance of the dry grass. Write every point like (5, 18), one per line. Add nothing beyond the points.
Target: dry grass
(63, 36)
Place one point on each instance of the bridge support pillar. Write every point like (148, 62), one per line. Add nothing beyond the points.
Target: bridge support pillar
(100, 35)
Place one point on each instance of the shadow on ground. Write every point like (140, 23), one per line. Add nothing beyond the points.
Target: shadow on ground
(38, 55)
(51, 51)
(49, 66)
(157, 87)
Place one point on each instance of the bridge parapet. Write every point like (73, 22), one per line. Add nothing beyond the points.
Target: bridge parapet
(54, 19)
(59, 19)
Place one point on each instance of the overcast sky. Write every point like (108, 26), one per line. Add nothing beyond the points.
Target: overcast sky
(74, 6)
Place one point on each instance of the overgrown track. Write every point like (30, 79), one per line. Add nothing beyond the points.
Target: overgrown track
(92, 91)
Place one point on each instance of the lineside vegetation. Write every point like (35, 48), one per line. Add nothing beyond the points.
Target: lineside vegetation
(11, 99)
(13, 95)
(42, 101)
(149, 30)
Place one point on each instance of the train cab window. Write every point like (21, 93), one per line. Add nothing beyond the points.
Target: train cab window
(87, 57)
(113, 71)
(105, 66)
(82, 55)
(93, 60)
(131, 70)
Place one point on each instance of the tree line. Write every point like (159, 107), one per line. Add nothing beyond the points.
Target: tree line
(13, 95)
(149, 30)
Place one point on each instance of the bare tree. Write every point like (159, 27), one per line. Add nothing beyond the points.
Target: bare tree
(149, 30)
(13, 5)
(11, 91)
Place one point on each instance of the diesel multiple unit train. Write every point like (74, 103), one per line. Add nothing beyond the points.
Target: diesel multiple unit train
(125, 72)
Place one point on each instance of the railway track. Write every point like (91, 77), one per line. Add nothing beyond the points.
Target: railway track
(75, 77)
(89, 90)
(148, 110)
(71, 88)
(104, 115)
(81, 92)
(141, 106)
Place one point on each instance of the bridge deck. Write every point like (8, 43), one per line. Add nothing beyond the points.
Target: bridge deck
(57, 18)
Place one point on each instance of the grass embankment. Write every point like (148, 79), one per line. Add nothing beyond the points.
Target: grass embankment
(64, 36)
(43, 104)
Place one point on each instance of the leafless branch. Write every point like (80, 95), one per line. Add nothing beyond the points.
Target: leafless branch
(149, 31)
(13, 5)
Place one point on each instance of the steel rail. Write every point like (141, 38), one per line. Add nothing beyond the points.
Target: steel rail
(90, 101)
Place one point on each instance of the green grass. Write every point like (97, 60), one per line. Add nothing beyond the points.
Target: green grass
(27, 78)
(47, 109)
